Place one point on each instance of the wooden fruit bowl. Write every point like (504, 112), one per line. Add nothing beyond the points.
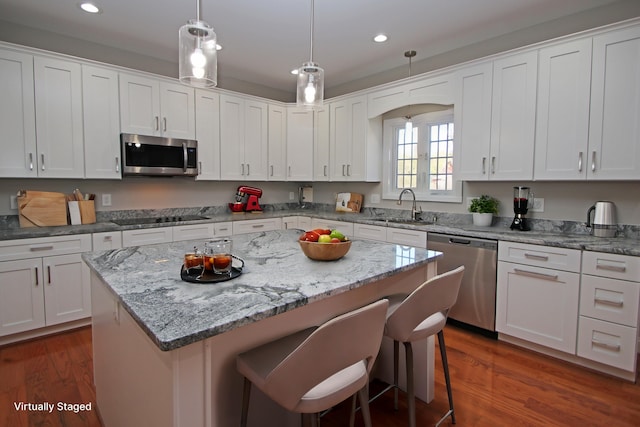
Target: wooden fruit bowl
(325, 251)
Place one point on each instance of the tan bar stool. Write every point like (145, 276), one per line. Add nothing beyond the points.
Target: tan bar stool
(415, 317)
(315, 369)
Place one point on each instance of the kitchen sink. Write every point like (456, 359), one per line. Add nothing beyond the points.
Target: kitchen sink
(402, 221)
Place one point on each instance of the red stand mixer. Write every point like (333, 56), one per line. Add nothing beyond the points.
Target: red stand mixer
(246, 200)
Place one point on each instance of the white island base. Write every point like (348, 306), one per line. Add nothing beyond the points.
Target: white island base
(197, 385)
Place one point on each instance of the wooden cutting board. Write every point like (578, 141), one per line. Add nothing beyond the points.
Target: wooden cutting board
(41, 208)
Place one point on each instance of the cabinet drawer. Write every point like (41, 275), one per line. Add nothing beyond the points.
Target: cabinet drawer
(107, 240)
(257, 225)
(192, 232)
(148, 236)
(44, 246)
(345, 228)
(222, 229)
(611, 265)
(370, 232)
(540, 256)
(608, 343)
(610, 299)
(401, 236)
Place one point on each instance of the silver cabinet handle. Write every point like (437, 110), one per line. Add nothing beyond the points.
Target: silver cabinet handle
(199, 168)
(164, 124)
(348, 170)
(37, 279)
(615, 347)
(324, 168)
(157, 124)
(42, 158)
(248, 169)
(41, 248)
(616, 268)
(580, 161)
(615, 303)
(343, 174)
(536, 257)
(108, 238)
(593, 161)
(242, 168)
(551, 277)
(30, 161)
(289, 171)
(484, 165)
(49, 275)
(271, 169)
(257, 225)
(493, 164)
(117, 164)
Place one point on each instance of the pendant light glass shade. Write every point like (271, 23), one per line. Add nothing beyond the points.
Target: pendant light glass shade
(198, 55)
(310, 88)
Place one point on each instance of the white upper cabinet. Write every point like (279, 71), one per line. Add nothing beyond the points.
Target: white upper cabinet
(355, 147)
(243, 138)
(495, 115)
(101, 110)
(472, 121)
(17, 115)
(562, 123)
(513, 116)
(614, 129)
(299, 144)
(208, 134)
(321, 144)
(153, 107)
(277, 151)
(58, 95)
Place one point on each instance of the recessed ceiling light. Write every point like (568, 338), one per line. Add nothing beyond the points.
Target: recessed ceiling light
(294, 71)
(89, 7)
(380, 38)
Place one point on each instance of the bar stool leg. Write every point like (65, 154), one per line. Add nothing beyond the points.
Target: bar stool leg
(246, 394)
(396, 352)
(363, 395)
(411, 398)
(445, 367)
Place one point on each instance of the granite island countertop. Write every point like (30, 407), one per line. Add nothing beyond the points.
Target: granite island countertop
(277, 277)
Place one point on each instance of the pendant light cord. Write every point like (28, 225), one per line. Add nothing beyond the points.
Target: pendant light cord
(198, 7)
(311, 33)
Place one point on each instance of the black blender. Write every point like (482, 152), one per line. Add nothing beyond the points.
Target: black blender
(521, 197)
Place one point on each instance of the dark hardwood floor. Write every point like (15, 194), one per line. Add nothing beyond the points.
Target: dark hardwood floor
(494, 384)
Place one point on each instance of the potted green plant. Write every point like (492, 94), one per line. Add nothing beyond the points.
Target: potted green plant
(483, 208)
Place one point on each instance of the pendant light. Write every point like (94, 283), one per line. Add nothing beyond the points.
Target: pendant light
(198, 55)
(408, 128)
(310, 88)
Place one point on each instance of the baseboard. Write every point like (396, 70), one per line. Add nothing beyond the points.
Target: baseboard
(40, 332)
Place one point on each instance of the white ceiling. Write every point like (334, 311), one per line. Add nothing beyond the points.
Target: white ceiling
(264, 39)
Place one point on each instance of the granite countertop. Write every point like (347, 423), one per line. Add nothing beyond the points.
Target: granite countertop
(277, 277)
(549, 233)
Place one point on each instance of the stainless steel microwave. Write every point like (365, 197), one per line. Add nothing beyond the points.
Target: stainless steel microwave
(157, 156)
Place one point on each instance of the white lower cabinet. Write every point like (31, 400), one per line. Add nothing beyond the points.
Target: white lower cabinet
(609, 299)
(43, 282)
(147, 236)
(401, 236)
(537, 294)
(345, 228)
(257, 225)
(192, 232)
(370, 232)
(106, 240)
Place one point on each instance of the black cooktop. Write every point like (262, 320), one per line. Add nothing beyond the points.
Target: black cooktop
(157, 220)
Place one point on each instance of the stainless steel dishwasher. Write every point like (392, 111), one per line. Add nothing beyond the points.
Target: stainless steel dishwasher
(476, 304)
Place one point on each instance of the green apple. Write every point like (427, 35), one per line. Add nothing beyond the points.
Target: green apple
(337, 235)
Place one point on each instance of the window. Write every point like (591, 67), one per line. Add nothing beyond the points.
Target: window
(421, 157)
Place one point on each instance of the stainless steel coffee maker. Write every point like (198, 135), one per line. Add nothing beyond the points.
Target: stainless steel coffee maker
(604, 219)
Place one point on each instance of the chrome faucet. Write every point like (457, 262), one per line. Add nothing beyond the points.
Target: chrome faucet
(414, 212)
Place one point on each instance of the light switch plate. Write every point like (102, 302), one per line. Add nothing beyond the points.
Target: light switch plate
(14, 202)
(106, 200)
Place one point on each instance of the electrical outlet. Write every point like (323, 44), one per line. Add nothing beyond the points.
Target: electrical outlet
(538, 205)
(14, 202)
(292, 195)
(106, 200)
(375, 198)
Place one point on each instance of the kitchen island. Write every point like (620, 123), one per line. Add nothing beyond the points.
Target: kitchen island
(164, 348)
